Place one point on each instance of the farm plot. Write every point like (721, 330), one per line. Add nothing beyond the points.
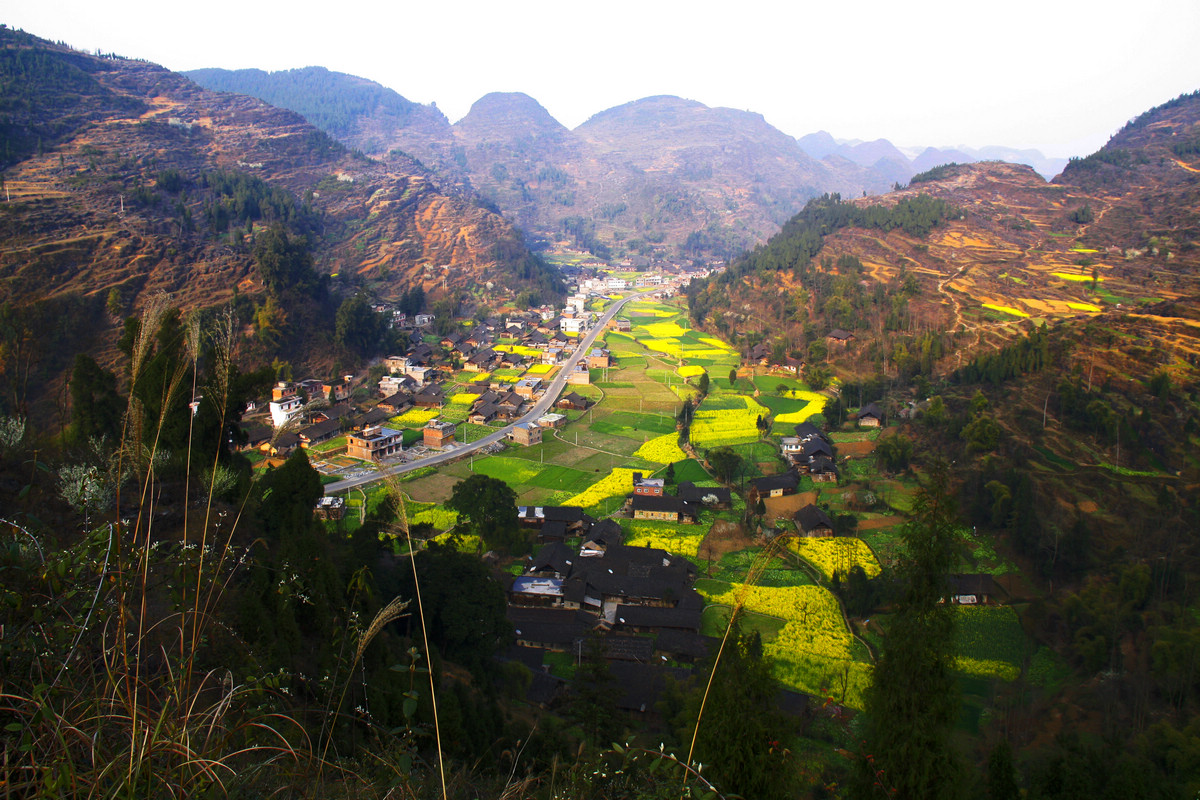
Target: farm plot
(662, 450)
(736, 566)
(715, 619)
(814, 652)
(415, 417)
(726, 420)
(683, 540)
(561, 478)
(634, 426)
(440, 518)
(837, 554)
(989, 642)
(618, 483)
(690, 470)
(513, 471)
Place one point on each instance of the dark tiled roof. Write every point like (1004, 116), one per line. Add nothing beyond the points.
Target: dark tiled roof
(628, 648)
(871, 410)
(338, 411)
(677, 642)
(976, 584)
(820, 465)
(816, 446)
(808, 429)
(556, 556)
(695, 494)
(322, 430)
(563, 513)
(639, 686)
(607, 532)
(549, 626)
(544, 688)
(687, 619)
(810, 518)
(531, 657)
(374, 416)
(257, 434)
(643, 502)
(553, 529)
(786, 480)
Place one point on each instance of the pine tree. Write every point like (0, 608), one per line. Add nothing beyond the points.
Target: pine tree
(740, 734)
(912, 704)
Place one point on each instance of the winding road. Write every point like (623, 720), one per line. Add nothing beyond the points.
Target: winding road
(541, 407)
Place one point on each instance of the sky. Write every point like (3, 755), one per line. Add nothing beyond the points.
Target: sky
(1057, 75)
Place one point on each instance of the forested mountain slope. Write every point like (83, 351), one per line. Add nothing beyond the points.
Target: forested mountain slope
(124, 175)
(1044, 340)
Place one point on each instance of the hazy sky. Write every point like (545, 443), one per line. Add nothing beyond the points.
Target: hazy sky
(1059, 75)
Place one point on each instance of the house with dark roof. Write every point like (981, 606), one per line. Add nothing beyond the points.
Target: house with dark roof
(641, 686)
(256, 435)
(644, 618)
(421, 354)
(601, 536)
(838, 337)
(553, 560)
(482, 361)
(617, 647)
(706, 496)
(684, 645)
(574, 401)
(822, 469)
(630, 575)
(432, 396)
(666, 508)
(320, 432)
(870, 416)
(975, 589)
(552, 530)
(816, 447)
(812, 521)
(334, 412)
(555, 629)
(776, 485)
(806, 430)
(396, 403)
(483, 414)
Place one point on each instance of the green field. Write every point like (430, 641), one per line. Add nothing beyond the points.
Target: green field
(715, 620)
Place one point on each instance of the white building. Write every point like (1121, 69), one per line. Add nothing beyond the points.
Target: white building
(284, 409)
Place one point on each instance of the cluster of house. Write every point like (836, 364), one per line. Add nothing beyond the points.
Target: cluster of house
(810, 453)
(650, 501)
(764, 353)
(635, 607)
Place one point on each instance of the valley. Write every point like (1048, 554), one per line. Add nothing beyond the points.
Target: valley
(348, 452)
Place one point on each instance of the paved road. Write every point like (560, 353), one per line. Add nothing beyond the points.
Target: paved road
(540, 408)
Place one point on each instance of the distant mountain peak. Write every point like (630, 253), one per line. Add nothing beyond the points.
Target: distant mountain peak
(645, 108)
(512, 111)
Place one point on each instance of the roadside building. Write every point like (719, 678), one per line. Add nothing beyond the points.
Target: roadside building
(438, 433)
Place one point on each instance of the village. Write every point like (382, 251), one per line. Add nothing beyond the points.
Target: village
(639, 545)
